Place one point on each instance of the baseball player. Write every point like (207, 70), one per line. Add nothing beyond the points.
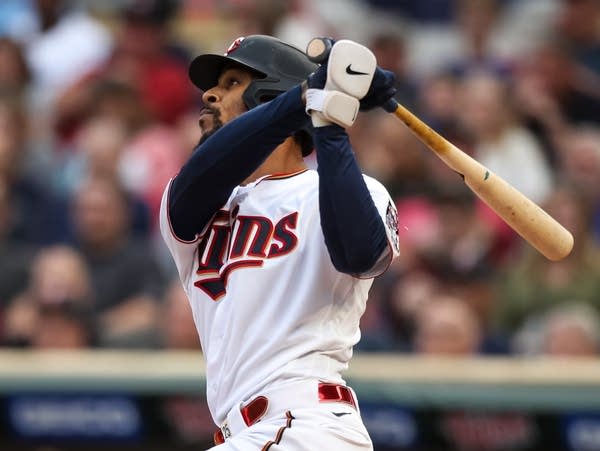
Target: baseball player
(276, 259)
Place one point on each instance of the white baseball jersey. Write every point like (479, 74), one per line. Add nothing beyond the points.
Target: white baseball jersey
(269, 306)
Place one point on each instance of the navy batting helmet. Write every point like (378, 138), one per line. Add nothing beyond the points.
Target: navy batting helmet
(279, 66)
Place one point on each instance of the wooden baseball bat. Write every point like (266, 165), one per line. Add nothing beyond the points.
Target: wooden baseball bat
(527, 218)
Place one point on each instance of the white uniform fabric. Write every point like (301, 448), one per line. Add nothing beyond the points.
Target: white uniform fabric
(269, 306)
(310, 425)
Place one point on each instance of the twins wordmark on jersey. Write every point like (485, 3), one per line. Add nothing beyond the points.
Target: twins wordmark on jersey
(235, 241)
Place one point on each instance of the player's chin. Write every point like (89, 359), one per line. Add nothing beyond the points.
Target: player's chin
(207, 134)
(206, 122)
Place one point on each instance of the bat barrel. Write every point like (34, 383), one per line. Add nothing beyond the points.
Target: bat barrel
(524, 216)
(527, 218)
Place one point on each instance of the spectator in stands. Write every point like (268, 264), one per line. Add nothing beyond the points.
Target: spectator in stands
(59, 284)
(567, 329)
(149, 161)
(463, 245)
(14, 71)
(377, 332)
(187, 417)
(500, 142)
(15, 256)
(389, 49)
(425, 11)
(67, 43)
(149, 58)
(145, 83)
(476, 38)
(98, 152)
(552, 89)
(145, 58)
(405, 297)
(177, 327)
(579, 158)
(142, 153)
(126, 278)
(257, 16)
(531, 284)
(98, 97)
(578, 24)
(479, 24)
(17, 19)
(391, 153)
(572, 329)
(446, 248)
(447, 326)
(437, 105)
(36, 212)
(63, 326)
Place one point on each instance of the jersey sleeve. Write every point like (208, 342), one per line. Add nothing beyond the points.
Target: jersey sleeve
(389, 215)
(182, 251)
(228, 157)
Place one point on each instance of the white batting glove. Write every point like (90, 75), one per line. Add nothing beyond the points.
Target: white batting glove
(337, 86)
(326, 107)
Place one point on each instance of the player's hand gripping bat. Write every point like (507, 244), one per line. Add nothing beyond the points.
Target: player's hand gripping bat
(525, 217)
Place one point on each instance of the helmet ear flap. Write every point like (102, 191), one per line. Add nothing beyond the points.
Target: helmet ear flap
(260, 91)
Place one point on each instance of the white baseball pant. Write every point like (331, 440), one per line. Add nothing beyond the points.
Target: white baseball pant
(303, 416)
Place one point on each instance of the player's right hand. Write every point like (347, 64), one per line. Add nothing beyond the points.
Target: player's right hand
(381, 90)
(326, 106)
(335, 88)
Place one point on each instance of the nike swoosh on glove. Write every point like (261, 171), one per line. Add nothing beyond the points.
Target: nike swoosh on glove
(381, 90)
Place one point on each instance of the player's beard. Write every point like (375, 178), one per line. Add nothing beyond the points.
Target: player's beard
(217, 124)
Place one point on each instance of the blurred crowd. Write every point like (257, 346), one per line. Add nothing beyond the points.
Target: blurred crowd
(97, 113)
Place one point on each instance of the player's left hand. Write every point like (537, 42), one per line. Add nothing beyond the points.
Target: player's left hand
(328, 106)
(381, 90)
(318, 78)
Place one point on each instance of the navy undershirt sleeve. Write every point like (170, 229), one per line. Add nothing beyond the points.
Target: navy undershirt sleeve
(227, 158)
(353, 229)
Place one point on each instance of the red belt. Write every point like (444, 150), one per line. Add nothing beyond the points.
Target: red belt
(255, 409)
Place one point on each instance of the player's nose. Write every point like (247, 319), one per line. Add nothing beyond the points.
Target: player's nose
(210, 96)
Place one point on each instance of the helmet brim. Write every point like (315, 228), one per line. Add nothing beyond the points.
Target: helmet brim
(204, 70)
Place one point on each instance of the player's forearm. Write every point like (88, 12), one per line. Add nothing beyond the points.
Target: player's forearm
(228, 157)
(354, 232)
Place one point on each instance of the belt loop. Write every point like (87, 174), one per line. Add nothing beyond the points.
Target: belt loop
(218, 437)
(356, 406)
(242, 416)
(235, 420)
(255, 410)
(330, 392)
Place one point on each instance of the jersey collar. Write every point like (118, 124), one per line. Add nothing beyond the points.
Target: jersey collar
(280, 176)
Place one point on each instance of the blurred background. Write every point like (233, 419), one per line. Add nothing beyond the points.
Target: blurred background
(97, 113)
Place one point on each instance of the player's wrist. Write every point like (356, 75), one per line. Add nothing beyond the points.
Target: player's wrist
(303, 87)
(326, 107)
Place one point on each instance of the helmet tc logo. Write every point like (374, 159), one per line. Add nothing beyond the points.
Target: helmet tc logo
(234, 45)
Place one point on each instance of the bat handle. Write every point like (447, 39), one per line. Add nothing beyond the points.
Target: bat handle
(390, 105)
(318, 49)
